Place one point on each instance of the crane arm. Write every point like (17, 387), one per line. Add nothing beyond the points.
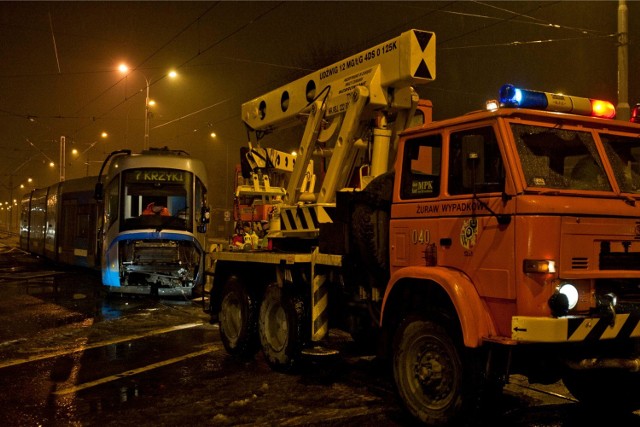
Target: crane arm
(387, 69)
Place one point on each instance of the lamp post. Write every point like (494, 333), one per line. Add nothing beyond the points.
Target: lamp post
(147, 101)
(225, 208)
(103, 135)
(145, 145)
(62, 157)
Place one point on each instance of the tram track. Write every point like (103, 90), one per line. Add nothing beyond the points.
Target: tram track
(535, 389)
(98, 344)
(549, 393)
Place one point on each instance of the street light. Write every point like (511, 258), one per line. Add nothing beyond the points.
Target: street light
(104, 136)
(123, 68)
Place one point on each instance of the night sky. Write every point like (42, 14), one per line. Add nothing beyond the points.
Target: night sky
(59, 76)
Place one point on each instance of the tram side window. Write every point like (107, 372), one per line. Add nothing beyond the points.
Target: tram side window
(84, 212)
(111, 208)
(421, 168)
(200, 199)
(475, 162)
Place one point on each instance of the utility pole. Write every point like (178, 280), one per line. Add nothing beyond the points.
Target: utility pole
(623, 110)
(11, 203)
(62, 158)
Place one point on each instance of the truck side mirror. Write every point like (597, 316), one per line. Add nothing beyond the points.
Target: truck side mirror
(473, 152)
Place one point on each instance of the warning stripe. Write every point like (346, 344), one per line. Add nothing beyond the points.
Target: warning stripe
(575, 329)
(632, 323)
(319, 311)
(625, 326)
(303, 218)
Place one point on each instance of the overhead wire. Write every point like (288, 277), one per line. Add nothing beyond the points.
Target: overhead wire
(148, 58)
(55, 47)
(513, 18)
(200, 52)
(538, 20)
(442, 9)
(589, 34)
(530, 20)
(527, 42)
(236, 31)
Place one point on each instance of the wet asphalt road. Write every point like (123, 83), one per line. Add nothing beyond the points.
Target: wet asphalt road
(71, 356)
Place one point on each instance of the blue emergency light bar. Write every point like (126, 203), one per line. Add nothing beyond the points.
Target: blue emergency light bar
(511, 96)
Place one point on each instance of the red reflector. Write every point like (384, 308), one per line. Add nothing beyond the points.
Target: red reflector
(602, 109)
(635, 114)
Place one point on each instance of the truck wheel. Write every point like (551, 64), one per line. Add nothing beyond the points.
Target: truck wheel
(428, 372)
(280, 326)
(615, 390)
(238, 318)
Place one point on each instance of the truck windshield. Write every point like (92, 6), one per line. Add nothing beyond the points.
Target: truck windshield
(559, 158)
(623, 153)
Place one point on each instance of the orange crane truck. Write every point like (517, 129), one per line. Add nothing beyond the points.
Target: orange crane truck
(504, 241)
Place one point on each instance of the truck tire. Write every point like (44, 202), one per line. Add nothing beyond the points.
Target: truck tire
(281, 327)
(616, 390)
(238, 317)
(429, 373)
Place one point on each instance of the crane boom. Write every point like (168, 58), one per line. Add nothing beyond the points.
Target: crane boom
(386, 69)
(346, 108)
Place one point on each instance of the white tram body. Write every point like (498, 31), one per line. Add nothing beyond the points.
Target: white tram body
(155, 219)
(143, 223)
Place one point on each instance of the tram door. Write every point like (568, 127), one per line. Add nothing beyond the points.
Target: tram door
(77, 240)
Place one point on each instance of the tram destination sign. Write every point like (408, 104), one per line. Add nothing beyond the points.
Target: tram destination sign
(157, 175)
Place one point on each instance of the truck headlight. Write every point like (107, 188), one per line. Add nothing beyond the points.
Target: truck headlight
(565, 298)
(571, 292)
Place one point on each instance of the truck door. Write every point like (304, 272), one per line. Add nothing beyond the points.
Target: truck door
(450, 197)
(476, 213)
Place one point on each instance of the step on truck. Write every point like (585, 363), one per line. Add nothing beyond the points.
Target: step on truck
(504, 241)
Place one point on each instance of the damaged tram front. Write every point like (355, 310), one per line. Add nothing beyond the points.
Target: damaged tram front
(155, 219)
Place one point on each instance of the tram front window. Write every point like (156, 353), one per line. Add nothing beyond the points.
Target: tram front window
(157, 198)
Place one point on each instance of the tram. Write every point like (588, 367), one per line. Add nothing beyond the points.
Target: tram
(60, 223)
(141, 221)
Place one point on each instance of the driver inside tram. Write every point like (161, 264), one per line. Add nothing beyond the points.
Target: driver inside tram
(154, 208)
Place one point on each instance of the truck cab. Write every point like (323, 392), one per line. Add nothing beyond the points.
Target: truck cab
(521, 227)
